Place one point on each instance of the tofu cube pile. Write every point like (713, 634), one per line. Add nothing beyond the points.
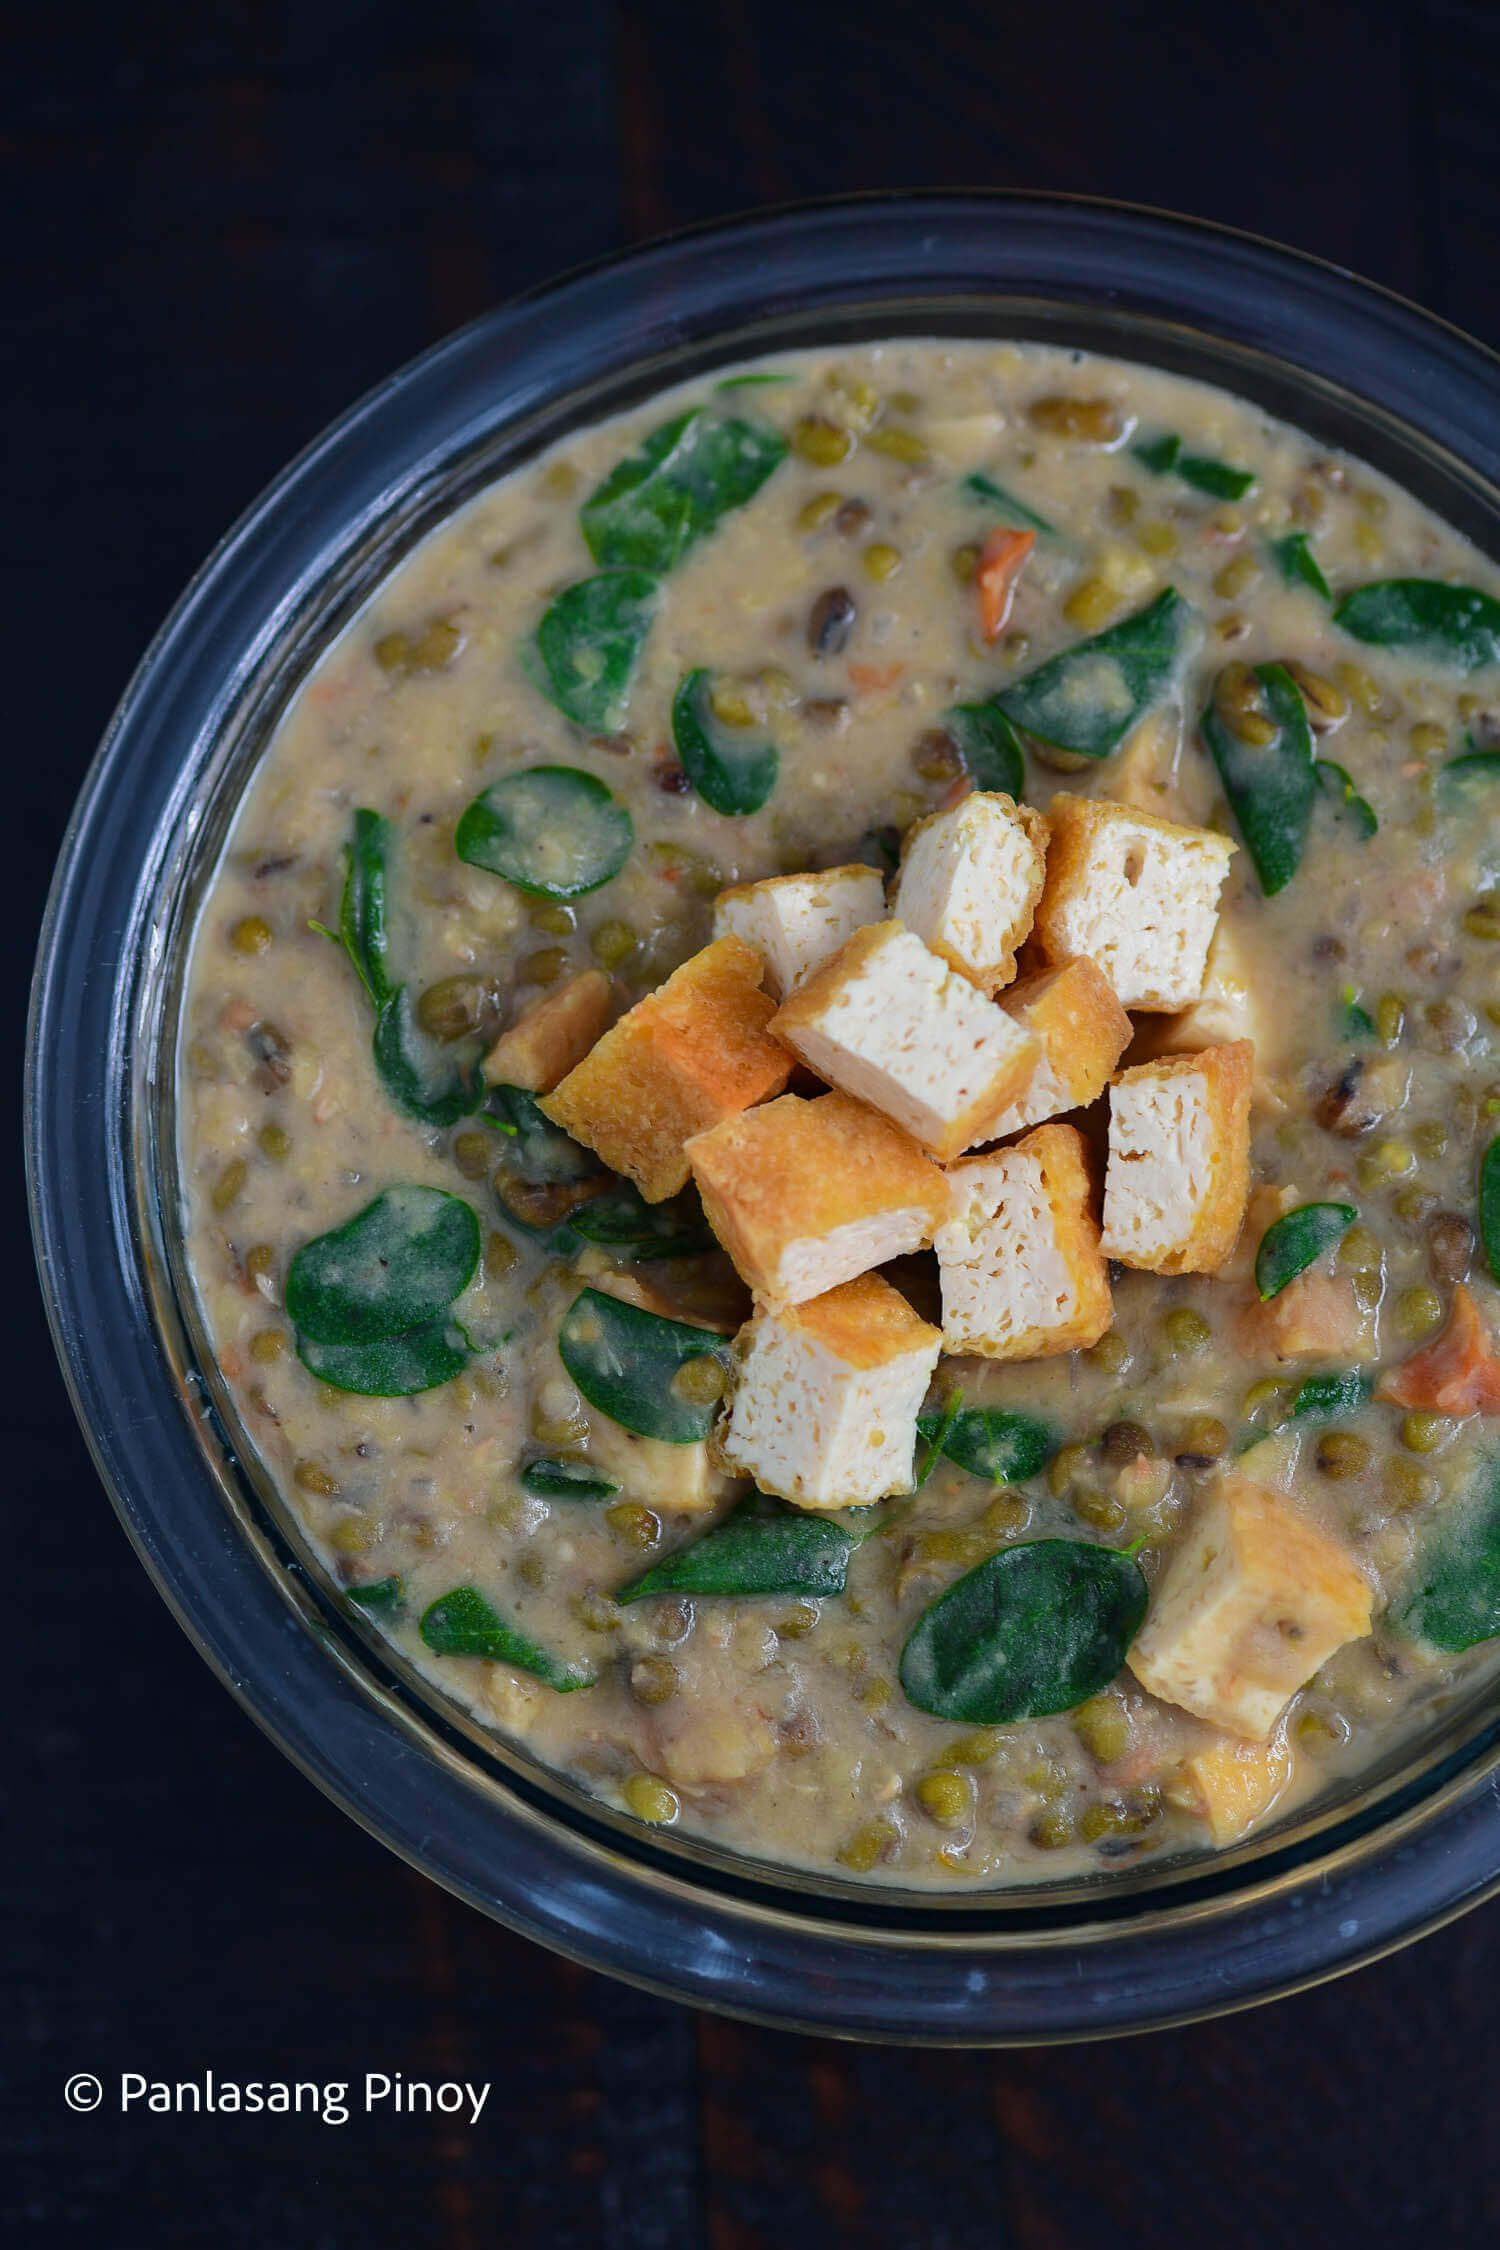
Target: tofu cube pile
(953, 1034)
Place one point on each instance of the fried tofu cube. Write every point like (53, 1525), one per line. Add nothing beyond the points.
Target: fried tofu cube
(795, 921)
(1251, 1603)
(1178, 1176)
(1082, 1031)
(696, 1050)
(1233, 1785)
(1019, 1256)
(969, 884)
(1138, 894)
(827, 1396)
(806, 1194)
(890, 1023)
(553, 1035)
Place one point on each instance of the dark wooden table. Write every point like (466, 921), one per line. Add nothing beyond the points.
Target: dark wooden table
(222, 222)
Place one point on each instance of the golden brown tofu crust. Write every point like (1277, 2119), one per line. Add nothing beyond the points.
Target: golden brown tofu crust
(1075, 1014)
(1076, 822)
(553, 1035)
(791, 1170)
(1230, 1075)
(865, 1322)
(692, 1052)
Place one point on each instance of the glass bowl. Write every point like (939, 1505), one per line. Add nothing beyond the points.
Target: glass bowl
(1414, 1842)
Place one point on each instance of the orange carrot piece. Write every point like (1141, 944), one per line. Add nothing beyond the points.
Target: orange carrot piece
(1001, 561)
(870, 679)
(1457, 1373)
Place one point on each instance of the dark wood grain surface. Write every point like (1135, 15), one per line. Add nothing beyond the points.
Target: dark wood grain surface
(222, 222)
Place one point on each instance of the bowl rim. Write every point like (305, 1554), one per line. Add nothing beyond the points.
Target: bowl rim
(609, 1906)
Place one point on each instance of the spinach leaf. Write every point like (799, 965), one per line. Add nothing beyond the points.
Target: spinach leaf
(1335, 782)
(1164, 455)
(1003, 1448)
(396, 1264)
(588, 644)
(936, 1435)
(660, 500)
(438, 1096)
(1088, 698)
(1294, 558)
(1343, 1393)
(621, 1220)
(751, 1553)
(553, 831)
(565, 1480)
(383, 1595)
(988, 744)
(1454, 624)
(398, 1047)
(627, 1362)
(393, 1366)
(462, 1623)
(1489, 1207)
(733, 769)
(1355, 1022)
(1010, 510)
(543, 1151)
(1473, 765)
(1456, 1600)
(1034, 1629)
(362, 904)
(749, 382)
(1291, 1243)
(1270, 786)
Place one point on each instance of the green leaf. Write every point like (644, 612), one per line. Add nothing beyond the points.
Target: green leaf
(1164, 454)
(1325, 1395)
(1334, 781)
(1002, 1448)
(675, 488)
(1010, 510)
(751, 1553)
(462, 1623)
(1294, 558)
(565, 1480)
(936, 1435)
(621, 1220)
(588, 644)
(553, 831)
(1355, 1022)
(1472, 765)
(1088, 698)
(1457, 625)
(540, 1150)
(1034, 1629)
(362, 905)
(395, 1366)
(1217, 478)
(384, 1595)
(396, 1264)
(1270, 786)
(1489, 1207)
(625, 1361)
(748, 382)
(733, 769)
(1455, 1602)
(435, 1093)
(1159, 454)
(989, 745)
(1291, 1243)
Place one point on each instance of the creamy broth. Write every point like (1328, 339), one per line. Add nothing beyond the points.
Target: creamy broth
(777, 1726)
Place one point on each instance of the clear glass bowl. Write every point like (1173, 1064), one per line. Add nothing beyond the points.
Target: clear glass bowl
(1414, 1843)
